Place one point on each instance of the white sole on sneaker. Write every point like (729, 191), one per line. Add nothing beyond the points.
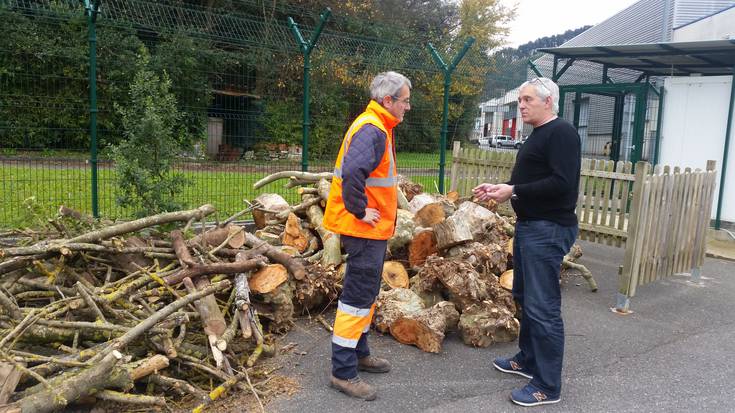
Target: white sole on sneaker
(520, 373)
(535, 403)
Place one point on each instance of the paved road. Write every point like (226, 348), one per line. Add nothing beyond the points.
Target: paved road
(675, 353)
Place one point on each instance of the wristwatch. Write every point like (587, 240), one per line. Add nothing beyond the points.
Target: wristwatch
(513, 195)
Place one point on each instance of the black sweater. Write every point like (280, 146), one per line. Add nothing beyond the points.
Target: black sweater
(546, 174)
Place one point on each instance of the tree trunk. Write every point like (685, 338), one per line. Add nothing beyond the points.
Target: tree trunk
(294, 266)
(394, 304)
(233, 234)
(395, 275)
(486, 259)
(294, 235)
(426, 328)
(429, 215)
(422, 246)
(506, 280)
(464, 284)
(332, 250)
(268, 278)
(266, 208)
(485, 323)
(452, 231)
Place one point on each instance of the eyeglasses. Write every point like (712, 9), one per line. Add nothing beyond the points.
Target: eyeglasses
(406, 101)
(540, 82)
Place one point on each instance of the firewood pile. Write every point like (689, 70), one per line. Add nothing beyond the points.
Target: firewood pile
(149, 311)
(145, 312)
(449, 264)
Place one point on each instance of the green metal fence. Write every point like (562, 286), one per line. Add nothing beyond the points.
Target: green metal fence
(237, 74)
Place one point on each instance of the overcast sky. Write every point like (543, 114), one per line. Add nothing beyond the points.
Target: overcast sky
(539, 18)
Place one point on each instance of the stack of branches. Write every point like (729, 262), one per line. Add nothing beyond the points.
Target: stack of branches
(449, 263)
(142, 312)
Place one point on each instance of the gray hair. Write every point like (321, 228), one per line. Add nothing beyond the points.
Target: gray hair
(545, 87)
(387, 84)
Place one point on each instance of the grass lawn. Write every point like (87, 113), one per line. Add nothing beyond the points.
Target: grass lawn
(55, 183)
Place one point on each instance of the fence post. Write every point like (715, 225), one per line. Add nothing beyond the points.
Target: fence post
(705, 211)
(306, 48)
(456, 146)
(447, 81)
(91, 9)
(629, 271)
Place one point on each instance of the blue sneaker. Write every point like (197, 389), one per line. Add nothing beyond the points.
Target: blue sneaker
(530, 396)
(508, 365)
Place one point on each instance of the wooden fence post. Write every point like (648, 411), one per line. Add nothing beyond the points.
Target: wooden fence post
(705, 211)
(455, 165)
(629, 271)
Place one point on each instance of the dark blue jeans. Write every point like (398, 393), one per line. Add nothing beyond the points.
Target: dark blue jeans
(538, 250)
(359, 290)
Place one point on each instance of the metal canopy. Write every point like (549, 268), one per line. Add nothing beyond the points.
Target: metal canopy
(707, 58)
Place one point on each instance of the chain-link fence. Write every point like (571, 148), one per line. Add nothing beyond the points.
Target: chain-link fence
(236, 72)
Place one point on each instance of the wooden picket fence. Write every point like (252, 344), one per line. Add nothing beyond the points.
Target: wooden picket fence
(659, 216)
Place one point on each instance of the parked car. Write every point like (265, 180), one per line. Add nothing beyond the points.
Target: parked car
(483, 141)
(499, 141)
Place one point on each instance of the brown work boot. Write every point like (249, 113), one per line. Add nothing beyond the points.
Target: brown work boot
(373, 364)
(354, 387)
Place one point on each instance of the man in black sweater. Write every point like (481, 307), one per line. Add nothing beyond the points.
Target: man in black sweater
(543, 190)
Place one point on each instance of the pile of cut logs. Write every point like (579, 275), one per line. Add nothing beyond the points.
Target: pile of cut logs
(448, 267)
(145, 311)
(142, 312)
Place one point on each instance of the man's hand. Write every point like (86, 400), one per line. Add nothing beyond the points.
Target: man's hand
(372, 216)
(482, 191)
(499, 193)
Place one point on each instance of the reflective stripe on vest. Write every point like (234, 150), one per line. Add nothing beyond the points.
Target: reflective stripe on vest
(386, 182)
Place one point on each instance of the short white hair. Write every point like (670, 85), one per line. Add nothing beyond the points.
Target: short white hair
(545, 87)
(387, 84)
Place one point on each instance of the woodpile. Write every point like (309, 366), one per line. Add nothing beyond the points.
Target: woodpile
(147, 311)
(449, 263)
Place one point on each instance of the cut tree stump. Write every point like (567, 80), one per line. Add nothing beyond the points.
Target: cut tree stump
(476, 217)
(483, 324)
(267, 207)
(429, 215)
(426, 328)
(268, 278)
(484, 258)
(232, 234)
(452, 231)
(418, 201)
(294, 235)
(423, 245)
(395, 274)
(393, 304)
(331, 248)
(506, 280)
(464, 284)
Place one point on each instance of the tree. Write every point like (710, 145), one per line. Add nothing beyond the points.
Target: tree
(153, 135)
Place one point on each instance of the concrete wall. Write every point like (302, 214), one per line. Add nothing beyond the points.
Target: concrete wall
(717, 27)
(693, 130)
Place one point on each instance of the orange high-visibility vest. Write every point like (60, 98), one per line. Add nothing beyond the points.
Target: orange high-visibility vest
(380, 186)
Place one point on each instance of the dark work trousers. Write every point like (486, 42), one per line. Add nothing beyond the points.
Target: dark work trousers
(355, 307)
(538, 250)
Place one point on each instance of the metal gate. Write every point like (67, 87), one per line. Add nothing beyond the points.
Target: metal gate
(619, 122)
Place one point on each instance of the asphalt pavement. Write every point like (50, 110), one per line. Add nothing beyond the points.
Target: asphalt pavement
(674, 353)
